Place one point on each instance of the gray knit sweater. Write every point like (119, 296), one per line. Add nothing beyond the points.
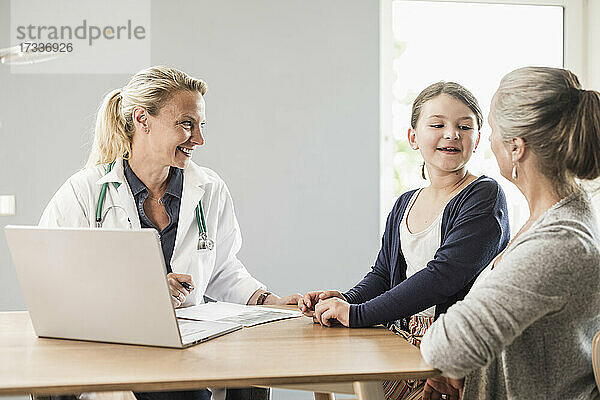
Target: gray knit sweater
(525, 330)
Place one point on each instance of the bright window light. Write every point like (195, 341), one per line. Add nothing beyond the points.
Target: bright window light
(474, 44)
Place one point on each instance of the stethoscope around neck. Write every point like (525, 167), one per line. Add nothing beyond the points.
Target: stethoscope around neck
(204, 242)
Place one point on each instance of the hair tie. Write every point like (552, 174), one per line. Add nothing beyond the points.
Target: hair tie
(119, 103)
(575, 95)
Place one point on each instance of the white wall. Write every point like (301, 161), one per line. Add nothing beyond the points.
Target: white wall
(292, 127)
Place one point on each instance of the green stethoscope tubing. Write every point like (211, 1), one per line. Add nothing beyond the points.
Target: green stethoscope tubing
(103, 196)
(200, 219)
(203, 241)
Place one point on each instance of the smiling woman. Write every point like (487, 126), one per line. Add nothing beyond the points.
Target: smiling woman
(140, 175)
(172, 134)
(157, 90)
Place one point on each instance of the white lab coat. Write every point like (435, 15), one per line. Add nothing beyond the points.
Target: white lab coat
(217, 273)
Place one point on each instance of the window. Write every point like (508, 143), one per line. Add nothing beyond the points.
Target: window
(472, 43)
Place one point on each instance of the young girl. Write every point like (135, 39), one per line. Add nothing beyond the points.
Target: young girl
(437, 239)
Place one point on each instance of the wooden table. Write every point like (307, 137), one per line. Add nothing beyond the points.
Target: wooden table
(290, 353)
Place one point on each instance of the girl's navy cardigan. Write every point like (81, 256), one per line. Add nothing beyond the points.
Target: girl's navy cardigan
(474, 230)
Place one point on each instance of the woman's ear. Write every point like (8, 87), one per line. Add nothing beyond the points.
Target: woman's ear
(517, 149)
(139, 116)
(412, 139)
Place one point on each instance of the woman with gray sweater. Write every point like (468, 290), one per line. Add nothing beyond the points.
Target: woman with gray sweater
(525, 329)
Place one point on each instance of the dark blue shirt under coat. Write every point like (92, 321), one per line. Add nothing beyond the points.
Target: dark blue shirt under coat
(474, 230)
(171, 201)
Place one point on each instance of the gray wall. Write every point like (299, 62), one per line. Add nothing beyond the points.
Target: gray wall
(292, 127)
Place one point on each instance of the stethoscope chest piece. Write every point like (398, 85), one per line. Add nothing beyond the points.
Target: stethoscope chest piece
(204, 243)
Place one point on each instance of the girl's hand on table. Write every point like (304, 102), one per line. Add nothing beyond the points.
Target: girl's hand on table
(331, 309)
(307, 303)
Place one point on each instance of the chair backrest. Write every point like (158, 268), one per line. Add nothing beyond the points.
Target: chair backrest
(596, 358)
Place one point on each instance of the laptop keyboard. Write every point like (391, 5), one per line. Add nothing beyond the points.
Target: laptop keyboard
(199, 331)
(190, 330)
(187, 327)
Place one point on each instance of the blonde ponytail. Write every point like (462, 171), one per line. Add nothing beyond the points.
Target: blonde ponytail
(150, 88)
(112, 139)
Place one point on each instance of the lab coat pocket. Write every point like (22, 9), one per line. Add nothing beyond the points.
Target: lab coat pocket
(201, 266)
(203, 261)
(201, 252)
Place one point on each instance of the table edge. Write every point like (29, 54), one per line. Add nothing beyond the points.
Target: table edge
(195, 384)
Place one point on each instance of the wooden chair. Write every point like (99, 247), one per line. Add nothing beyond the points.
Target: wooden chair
(596, 357)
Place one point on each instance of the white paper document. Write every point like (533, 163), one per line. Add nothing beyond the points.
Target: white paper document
(234, 313)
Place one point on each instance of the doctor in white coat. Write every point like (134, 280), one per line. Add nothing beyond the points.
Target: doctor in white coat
(145, 136)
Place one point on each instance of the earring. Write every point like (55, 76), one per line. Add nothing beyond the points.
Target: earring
(423, 170)
(515, 172)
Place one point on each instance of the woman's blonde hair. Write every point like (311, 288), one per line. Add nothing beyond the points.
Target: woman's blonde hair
(150, 88)
(557, 119)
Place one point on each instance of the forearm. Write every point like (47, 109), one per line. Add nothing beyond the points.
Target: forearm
(371, 286)
(454, 344)
(421, 291)
(271, 298)
(254, 298)
(391, 305)
(475, 331)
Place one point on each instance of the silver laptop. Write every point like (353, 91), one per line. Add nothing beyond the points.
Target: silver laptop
(101, 285)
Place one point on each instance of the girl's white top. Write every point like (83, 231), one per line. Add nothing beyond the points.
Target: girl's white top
(419, 248)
